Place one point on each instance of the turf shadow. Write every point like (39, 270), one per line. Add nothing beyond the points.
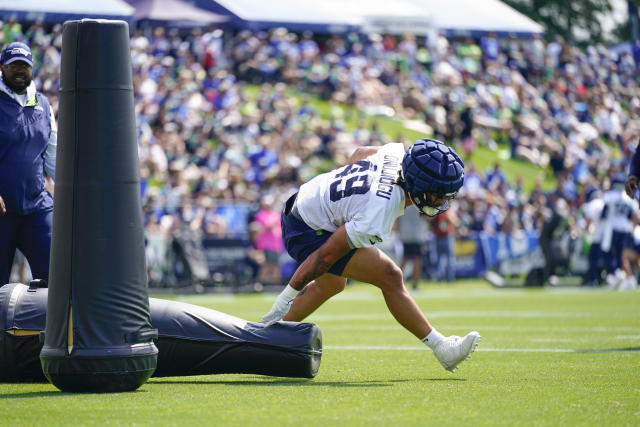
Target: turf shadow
(303, 382)
(286, 383)
(54, 393)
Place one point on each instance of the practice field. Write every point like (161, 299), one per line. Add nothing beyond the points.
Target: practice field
(547, 357)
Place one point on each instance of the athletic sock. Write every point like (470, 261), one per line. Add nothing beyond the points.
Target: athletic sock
(433, 338)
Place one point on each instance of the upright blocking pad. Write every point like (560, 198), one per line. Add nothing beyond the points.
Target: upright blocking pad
(98, 330)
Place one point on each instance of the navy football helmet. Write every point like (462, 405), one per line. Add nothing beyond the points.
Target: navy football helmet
(433, 173)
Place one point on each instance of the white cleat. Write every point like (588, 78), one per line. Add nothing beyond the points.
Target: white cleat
(453, 350)
(628, 284)
(612, 282)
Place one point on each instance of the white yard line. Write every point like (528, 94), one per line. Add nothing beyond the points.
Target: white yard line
(482, 349)
(508, 328)
(457, 314)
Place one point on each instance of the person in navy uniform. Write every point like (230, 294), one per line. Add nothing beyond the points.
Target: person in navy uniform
(28, 139)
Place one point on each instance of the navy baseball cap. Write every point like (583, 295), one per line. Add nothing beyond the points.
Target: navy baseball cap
(16, 51)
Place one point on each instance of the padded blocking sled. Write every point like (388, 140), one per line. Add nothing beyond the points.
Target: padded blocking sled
(192, 340)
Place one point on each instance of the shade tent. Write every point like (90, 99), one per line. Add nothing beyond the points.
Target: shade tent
(52, 11)
(174, 12)
(296, 15)
(478, 17)
(454, 17)
(327, 16)
(384, 16)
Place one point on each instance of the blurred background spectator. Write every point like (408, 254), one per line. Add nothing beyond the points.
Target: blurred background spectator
(268, 240)
(228, 119)
(443, 227)
(413, 232)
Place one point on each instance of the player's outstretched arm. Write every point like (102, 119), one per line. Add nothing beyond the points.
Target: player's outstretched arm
(281, 306)
(321, 259)
(317, 264)
(3, 208)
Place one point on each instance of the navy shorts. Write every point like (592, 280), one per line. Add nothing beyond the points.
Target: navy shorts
(300, 240)
(412, 249)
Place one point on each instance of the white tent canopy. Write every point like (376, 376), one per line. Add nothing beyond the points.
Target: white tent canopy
(60, 10)
(395, 16)
(295, 11)
(325, 15)
(459, 16)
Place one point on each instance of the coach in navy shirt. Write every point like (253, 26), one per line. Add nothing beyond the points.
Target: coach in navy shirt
(28, 136)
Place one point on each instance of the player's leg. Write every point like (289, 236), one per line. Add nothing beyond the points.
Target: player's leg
(371, 265)
(595, 262)
(314, 295)
(8, 225)
(629, 259)
(34, 241)
(618, 242)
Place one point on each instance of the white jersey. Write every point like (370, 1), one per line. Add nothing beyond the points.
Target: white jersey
(363, 196)
(619, 210)
(617, 215)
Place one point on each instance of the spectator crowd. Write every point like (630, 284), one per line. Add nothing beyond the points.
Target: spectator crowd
(218, 126)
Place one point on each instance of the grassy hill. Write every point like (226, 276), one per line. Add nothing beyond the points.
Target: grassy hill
(393, 129)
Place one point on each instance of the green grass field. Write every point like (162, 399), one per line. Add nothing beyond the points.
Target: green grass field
(547, 357)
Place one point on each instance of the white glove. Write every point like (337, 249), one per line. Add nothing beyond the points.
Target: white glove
(280, 307)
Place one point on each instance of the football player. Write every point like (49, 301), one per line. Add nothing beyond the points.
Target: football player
(618, 219)
(332, 224)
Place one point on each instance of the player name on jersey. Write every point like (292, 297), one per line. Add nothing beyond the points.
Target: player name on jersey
(387, 177)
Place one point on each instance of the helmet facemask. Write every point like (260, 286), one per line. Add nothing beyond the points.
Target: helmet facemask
(431, 204)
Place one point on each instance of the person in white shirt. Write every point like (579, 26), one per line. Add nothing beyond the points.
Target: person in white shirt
(331, 227)
(618, 219)
(413, 231)
(592, 211)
